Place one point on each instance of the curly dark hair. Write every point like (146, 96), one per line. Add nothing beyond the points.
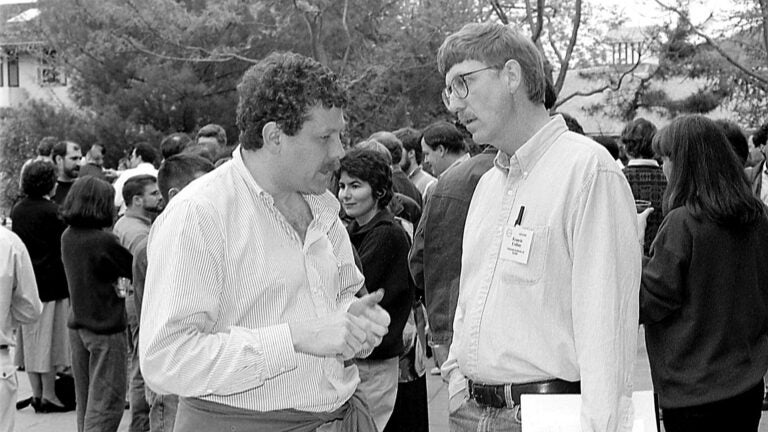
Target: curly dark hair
(283, 87)
(38, 179)
(637, 137)
(371, 167)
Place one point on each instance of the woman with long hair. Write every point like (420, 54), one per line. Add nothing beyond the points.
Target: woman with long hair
(704, 291)
(365, 190)
(93, 261)
(44, 344)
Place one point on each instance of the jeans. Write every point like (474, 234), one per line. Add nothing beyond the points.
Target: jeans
(9, 385)
(139, 405)
(162, 411)
(98, 366)
(471, 416)
(740, 413)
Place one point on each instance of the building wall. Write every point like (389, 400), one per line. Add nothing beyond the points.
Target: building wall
(30, 86)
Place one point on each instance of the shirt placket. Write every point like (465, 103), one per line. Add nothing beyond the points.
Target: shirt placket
(511, 186)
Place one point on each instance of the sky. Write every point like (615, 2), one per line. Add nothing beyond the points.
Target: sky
(648, 12)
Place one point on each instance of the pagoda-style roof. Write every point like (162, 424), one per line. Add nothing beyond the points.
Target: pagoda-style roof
(628, 34)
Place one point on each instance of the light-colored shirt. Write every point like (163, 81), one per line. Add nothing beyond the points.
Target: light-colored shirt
(764, 187)
(571, 312)
(226, 275)
(421, 179)
(19, 301)
(140, 169)
(131, 230)
(642, 162)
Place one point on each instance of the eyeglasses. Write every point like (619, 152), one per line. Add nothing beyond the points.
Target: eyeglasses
(459, 86)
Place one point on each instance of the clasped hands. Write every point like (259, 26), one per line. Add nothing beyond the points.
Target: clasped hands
(344, 333)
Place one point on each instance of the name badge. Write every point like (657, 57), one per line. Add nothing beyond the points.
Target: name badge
(516, 245)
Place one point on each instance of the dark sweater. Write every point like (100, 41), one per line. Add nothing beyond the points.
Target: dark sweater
(36, 221)
(704, 303)
(648, 183)
(62, 189)
(402, 184)
(383, 247)
(93, 260)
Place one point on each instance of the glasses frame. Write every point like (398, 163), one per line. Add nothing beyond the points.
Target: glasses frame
(453, 87)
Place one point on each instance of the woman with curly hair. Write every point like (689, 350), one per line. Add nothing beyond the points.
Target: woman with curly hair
(365, 189)
(44, 346)
(704, 290)
(94, 260)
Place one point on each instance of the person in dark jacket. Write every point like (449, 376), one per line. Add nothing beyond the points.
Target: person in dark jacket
(94, 260)
(704, 291)
(44, 344)
(365, 189)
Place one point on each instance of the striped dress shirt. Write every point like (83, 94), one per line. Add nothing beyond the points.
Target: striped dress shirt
(226, 275)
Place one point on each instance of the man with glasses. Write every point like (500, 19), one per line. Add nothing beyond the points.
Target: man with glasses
(550, 269)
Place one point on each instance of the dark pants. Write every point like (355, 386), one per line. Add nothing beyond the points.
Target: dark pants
(411, 407)
(139, 405)
(98, 366)
(740, 413)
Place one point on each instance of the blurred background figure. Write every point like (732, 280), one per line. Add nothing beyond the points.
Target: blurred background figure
(45, 345)
(94, 162)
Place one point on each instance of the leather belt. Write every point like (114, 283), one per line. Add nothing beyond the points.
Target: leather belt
(508, 395)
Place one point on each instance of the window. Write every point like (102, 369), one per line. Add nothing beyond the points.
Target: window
(2, 81)
(47, 72)
(13, 69)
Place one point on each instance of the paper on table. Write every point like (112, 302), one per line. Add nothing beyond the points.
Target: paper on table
(561, 412)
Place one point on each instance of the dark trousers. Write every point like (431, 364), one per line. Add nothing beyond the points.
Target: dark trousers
(98, 366)
(139, 405)
(740, 413)
(411, 407)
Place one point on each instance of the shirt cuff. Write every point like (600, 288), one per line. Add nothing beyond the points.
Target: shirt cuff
(457, 383)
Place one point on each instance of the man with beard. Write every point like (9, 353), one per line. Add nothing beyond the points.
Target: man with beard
(143, 202)
(412, 159)
(66, 157)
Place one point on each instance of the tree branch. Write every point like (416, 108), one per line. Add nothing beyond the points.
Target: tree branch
(496, 5)
(569, 51)
(536, 34)
(761, 80)
(609, 86)
(345, 25)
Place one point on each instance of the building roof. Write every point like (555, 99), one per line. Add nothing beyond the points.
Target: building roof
(17, 25)
(628, 34)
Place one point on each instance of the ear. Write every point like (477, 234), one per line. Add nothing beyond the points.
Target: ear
(270, 136)
(172, 193)
(136, 201)
(513, 74)
(441, 150)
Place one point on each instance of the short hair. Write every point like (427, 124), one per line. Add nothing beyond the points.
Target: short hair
(572, 123)
(411, 139)
(146, 151)
(637, 137)
(371, 167)
(373, 145)
(60, 149)
(736, 137)
(706, 175)
(179, 170)
(391, 142)
(494, 44)
(89, 203)
(38, 178)
(135, 186)
(283, 88)
(444, 134)
(174, 144)
(212, 130)
(760, 136)
(609, 144)
(45, 146)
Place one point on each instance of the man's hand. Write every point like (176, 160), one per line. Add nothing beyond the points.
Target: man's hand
(375, 318)
(341, 334)
(642, 222)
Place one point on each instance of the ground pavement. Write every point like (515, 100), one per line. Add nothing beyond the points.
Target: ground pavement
(28, 421)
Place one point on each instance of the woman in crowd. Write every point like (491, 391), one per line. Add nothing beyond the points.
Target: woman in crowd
(704, 291)
(93, 261)
(365, 189)
(44, 344)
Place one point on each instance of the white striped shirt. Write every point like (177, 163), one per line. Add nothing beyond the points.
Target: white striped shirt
(226, 274)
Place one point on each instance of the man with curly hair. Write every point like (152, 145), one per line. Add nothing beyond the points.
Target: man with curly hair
(249, 308)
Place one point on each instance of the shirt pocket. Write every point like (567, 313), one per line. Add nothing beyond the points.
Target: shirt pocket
(516, 273)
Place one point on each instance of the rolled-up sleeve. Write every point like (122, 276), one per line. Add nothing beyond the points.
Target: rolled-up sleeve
(180, 353)
(605, 283)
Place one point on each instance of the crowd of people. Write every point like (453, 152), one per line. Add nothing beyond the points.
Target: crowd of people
(298, 282)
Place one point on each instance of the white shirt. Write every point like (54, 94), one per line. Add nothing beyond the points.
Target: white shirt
(142, 168)
(571, 312)
(19, 301)
(226, 274)
(764, 186)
